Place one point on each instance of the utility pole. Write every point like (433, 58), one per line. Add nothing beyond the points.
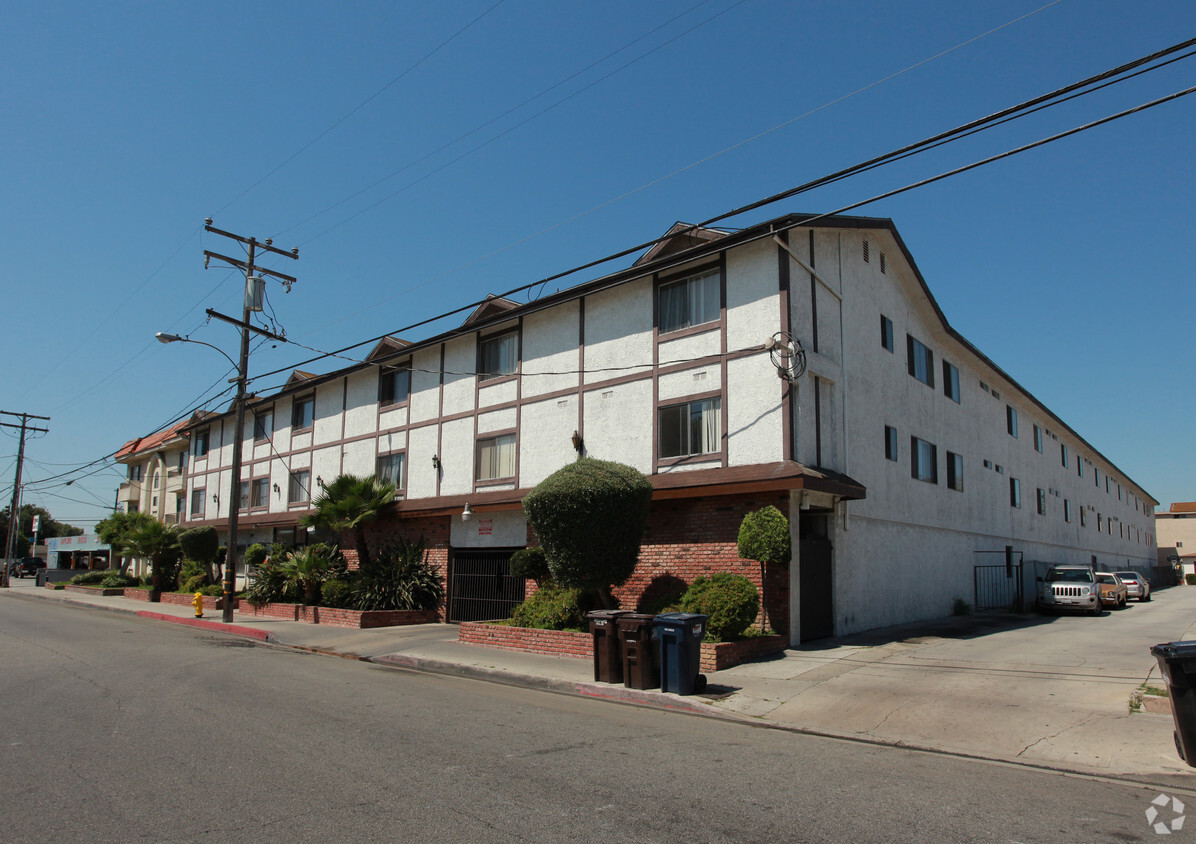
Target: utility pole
(14, 512)
(253, 302)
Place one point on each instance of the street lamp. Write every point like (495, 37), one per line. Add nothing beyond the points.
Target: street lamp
(234, 498)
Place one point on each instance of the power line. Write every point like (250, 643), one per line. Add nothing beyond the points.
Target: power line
(902, 152)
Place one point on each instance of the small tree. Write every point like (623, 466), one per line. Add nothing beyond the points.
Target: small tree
(200, 545)
(590, 517)
(159, 544)
(348, 504)
(531, 563)
(764, 537)
(115, 531)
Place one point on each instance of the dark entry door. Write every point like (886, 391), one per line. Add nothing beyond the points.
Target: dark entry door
(481, 587)
(817, 605)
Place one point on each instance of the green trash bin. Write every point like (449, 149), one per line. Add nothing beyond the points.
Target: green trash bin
(608, 654)
(680, 635)
(1177, 661)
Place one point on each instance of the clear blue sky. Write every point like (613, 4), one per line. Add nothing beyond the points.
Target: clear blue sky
(448, 150)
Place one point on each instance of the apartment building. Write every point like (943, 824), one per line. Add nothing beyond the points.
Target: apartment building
(798, 363)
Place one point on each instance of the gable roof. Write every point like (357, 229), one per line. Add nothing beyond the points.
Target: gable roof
(491, 307)
(679, 237)
(387, 347)
(153, 441)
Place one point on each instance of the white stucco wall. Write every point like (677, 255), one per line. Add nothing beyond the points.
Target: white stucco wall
(550, 344)
(619, 331)
(619, 422)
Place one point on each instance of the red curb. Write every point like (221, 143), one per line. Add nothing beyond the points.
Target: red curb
(218, 626)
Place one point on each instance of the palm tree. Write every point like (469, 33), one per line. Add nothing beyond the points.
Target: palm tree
(349, 503)
(158, 543)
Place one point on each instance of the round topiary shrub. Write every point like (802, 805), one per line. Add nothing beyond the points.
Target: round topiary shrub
(730, 600)
(530, 563)
(553, 608)
(336, 593)
(195, 583)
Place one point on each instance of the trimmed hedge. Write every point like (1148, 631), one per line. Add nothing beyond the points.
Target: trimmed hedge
(730, 600)
(590, 517)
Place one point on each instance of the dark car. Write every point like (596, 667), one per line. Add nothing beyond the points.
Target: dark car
(26, 565)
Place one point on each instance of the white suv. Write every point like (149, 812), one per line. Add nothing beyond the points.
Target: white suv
(1069, 588)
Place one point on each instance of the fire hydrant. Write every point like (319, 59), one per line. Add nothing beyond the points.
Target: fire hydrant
(198, 602)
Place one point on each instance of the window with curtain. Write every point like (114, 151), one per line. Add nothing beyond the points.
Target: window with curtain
(303, 412)
(690, 301)
(261, 493)
(198, 498)
(392, 467)
(691, 428)
(496, 457)
(498, 356)
(263, 424)
(299, 488)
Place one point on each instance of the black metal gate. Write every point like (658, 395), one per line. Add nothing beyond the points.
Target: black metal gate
(481, 587)
(999, 587)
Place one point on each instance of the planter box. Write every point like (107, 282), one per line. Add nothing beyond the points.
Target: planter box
(720, 655)
(526, 639)
(332, 617)
(184, 599)
(715, 657)
(94, 590)
(141, 594)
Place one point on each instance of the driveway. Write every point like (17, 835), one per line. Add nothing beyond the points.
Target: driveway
(1046, 689)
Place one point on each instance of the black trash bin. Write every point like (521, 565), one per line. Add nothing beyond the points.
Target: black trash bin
(639, 650)
(680, 635)
(41, 577)
(1177, 661)
(608, 654)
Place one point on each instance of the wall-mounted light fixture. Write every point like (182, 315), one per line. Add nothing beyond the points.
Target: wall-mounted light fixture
(578, 442)
(215, 498)
(276, 488)
(320, 481)
(435, 462)
(466, 513)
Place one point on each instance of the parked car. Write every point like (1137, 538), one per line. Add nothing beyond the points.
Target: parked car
(1137, 584)
(1113, 592)
(1069, 588)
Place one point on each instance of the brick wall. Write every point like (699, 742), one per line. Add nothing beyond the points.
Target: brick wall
(552, 642)
(433, 529)
(687, 538)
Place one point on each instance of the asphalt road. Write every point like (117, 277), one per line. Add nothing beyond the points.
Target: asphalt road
(124, 729)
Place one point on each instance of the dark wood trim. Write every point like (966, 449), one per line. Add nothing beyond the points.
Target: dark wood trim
(724, 410)
(813, 298)
(786, 320)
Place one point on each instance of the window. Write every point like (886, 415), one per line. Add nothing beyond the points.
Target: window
(1083, 517)
(198, 497)
(260, 496)
(496, 457)
(498, 355)
(303, 412)
(134, 473)
(1079, 466)
(1099, 522)
(1041, 502)
(921, 361)
(954, 471)
(299, 488)
(890, 442)
(394, 385)
(182, 461)
(1015, 492)
(690, 301)
(158, 480)
(1011, 421)
(1038, 439)
(201, 442)
(243, 496)
(1066, 510)
(923, 461)
(886, 332)
(951, 382)
(1063, 454)
(691, 428)
(1095, 476)
(263, 425)
(393, 468)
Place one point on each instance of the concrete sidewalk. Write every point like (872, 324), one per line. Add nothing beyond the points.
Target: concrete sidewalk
(933, 686)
